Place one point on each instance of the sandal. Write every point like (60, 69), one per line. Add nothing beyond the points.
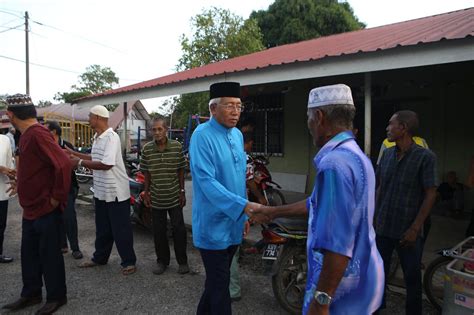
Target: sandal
(129, 270)
(88, 264)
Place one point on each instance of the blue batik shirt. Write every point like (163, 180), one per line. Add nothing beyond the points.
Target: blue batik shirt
(218, 165)
(341, 209)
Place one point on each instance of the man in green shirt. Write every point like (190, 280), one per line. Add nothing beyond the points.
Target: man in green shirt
(163, 163)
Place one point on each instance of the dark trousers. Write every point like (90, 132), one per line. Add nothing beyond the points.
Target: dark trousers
(3, 221)
(69, 227)
(160, 235)
(41, 257)
(410, 260)
(112, 223)
(216, 297)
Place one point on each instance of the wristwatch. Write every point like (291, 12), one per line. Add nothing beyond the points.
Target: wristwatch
(322, 298)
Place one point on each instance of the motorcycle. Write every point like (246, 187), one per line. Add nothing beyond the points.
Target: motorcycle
(285, 241)
(263, 179)
(132, 165)
(83, 174)
(138, 212)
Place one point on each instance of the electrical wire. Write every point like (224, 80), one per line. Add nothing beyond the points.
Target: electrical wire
(10, 28)
(6, 12)
(79, 36)
(40, 65)
(58, 69)
(4, 24)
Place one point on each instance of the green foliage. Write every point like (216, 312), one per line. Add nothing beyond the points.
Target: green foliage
(3, 102)
(218, 35)
(94, 80)
(154, 115)
(44, 103)
(69, 97)
(190, 104)
(290, 21)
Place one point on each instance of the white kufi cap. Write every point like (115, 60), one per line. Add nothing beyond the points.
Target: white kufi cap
(338, 94)
(100, 110)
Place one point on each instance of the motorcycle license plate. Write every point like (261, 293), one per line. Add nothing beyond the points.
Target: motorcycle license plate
(271, 252)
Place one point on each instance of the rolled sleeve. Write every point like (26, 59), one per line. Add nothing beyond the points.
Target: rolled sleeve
(109, 157)
(335, 230)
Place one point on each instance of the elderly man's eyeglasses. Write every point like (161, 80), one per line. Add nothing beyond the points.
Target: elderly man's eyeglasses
(233, 107)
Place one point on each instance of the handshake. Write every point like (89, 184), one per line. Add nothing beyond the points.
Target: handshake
(259, 213)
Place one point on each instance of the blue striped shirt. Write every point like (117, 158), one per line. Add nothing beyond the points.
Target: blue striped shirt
(341, 209)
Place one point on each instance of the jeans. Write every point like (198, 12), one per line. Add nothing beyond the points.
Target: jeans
(41, 257)
(410, 260)
(70, 222)
(215, 299)
(112, 223)
(160, 236)
(3, 221)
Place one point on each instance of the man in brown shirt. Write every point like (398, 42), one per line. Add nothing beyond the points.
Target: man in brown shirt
(44, 178)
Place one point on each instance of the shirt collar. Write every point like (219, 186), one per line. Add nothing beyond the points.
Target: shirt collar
(216, 125)
(333, 143)
(103, 134)
(156, 147)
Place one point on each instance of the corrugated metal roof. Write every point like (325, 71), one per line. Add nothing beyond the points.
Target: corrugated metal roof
(447, 26)
(65, 110)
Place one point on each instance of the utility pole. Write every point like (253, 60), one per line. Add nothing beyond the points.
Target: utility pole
(27, 59)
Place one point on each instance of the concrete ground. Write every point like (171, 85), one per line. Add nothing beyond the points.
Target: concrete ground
(103, 290)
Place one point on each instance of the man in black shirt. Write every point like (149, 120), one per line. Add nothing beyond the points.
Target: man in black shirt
(70, 218)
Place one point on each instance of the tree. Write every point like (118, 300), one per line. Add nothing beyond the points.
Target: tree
(44, 103)
(218, 35)
(96, 79)
(290, 21)
(3, 102)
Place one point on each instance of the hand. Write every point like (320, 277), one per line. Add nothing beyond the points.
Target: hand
(260, 214)
(318, 309)
(409, 237)
(12, 189)
(147, 199)
(54, 203)
(11, 173)
(74, 160)
(263, 201)
(250, 207)
(246, 228)
(69, 151)
(182, 199)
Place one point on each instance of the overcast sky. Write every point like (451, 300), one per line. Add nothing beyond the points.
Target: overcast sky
(138, 39)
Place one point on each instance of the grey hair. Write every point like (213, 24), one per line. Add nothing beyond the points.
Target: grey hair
(340, 115)
(160, 119)
(216, 101)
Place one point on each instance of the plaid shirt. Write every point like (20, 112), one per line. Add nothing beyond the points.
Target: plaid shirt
(402, 187)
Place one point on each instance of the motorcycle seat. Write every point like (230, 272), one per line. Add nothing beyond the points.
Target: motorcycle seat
(292, 224)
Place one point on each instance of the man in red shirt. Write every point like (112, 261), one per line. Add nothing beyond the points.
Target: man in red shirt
(43, 181)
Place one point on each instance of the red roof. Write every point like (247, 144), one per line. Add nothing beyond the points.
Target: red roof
(447, 26)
